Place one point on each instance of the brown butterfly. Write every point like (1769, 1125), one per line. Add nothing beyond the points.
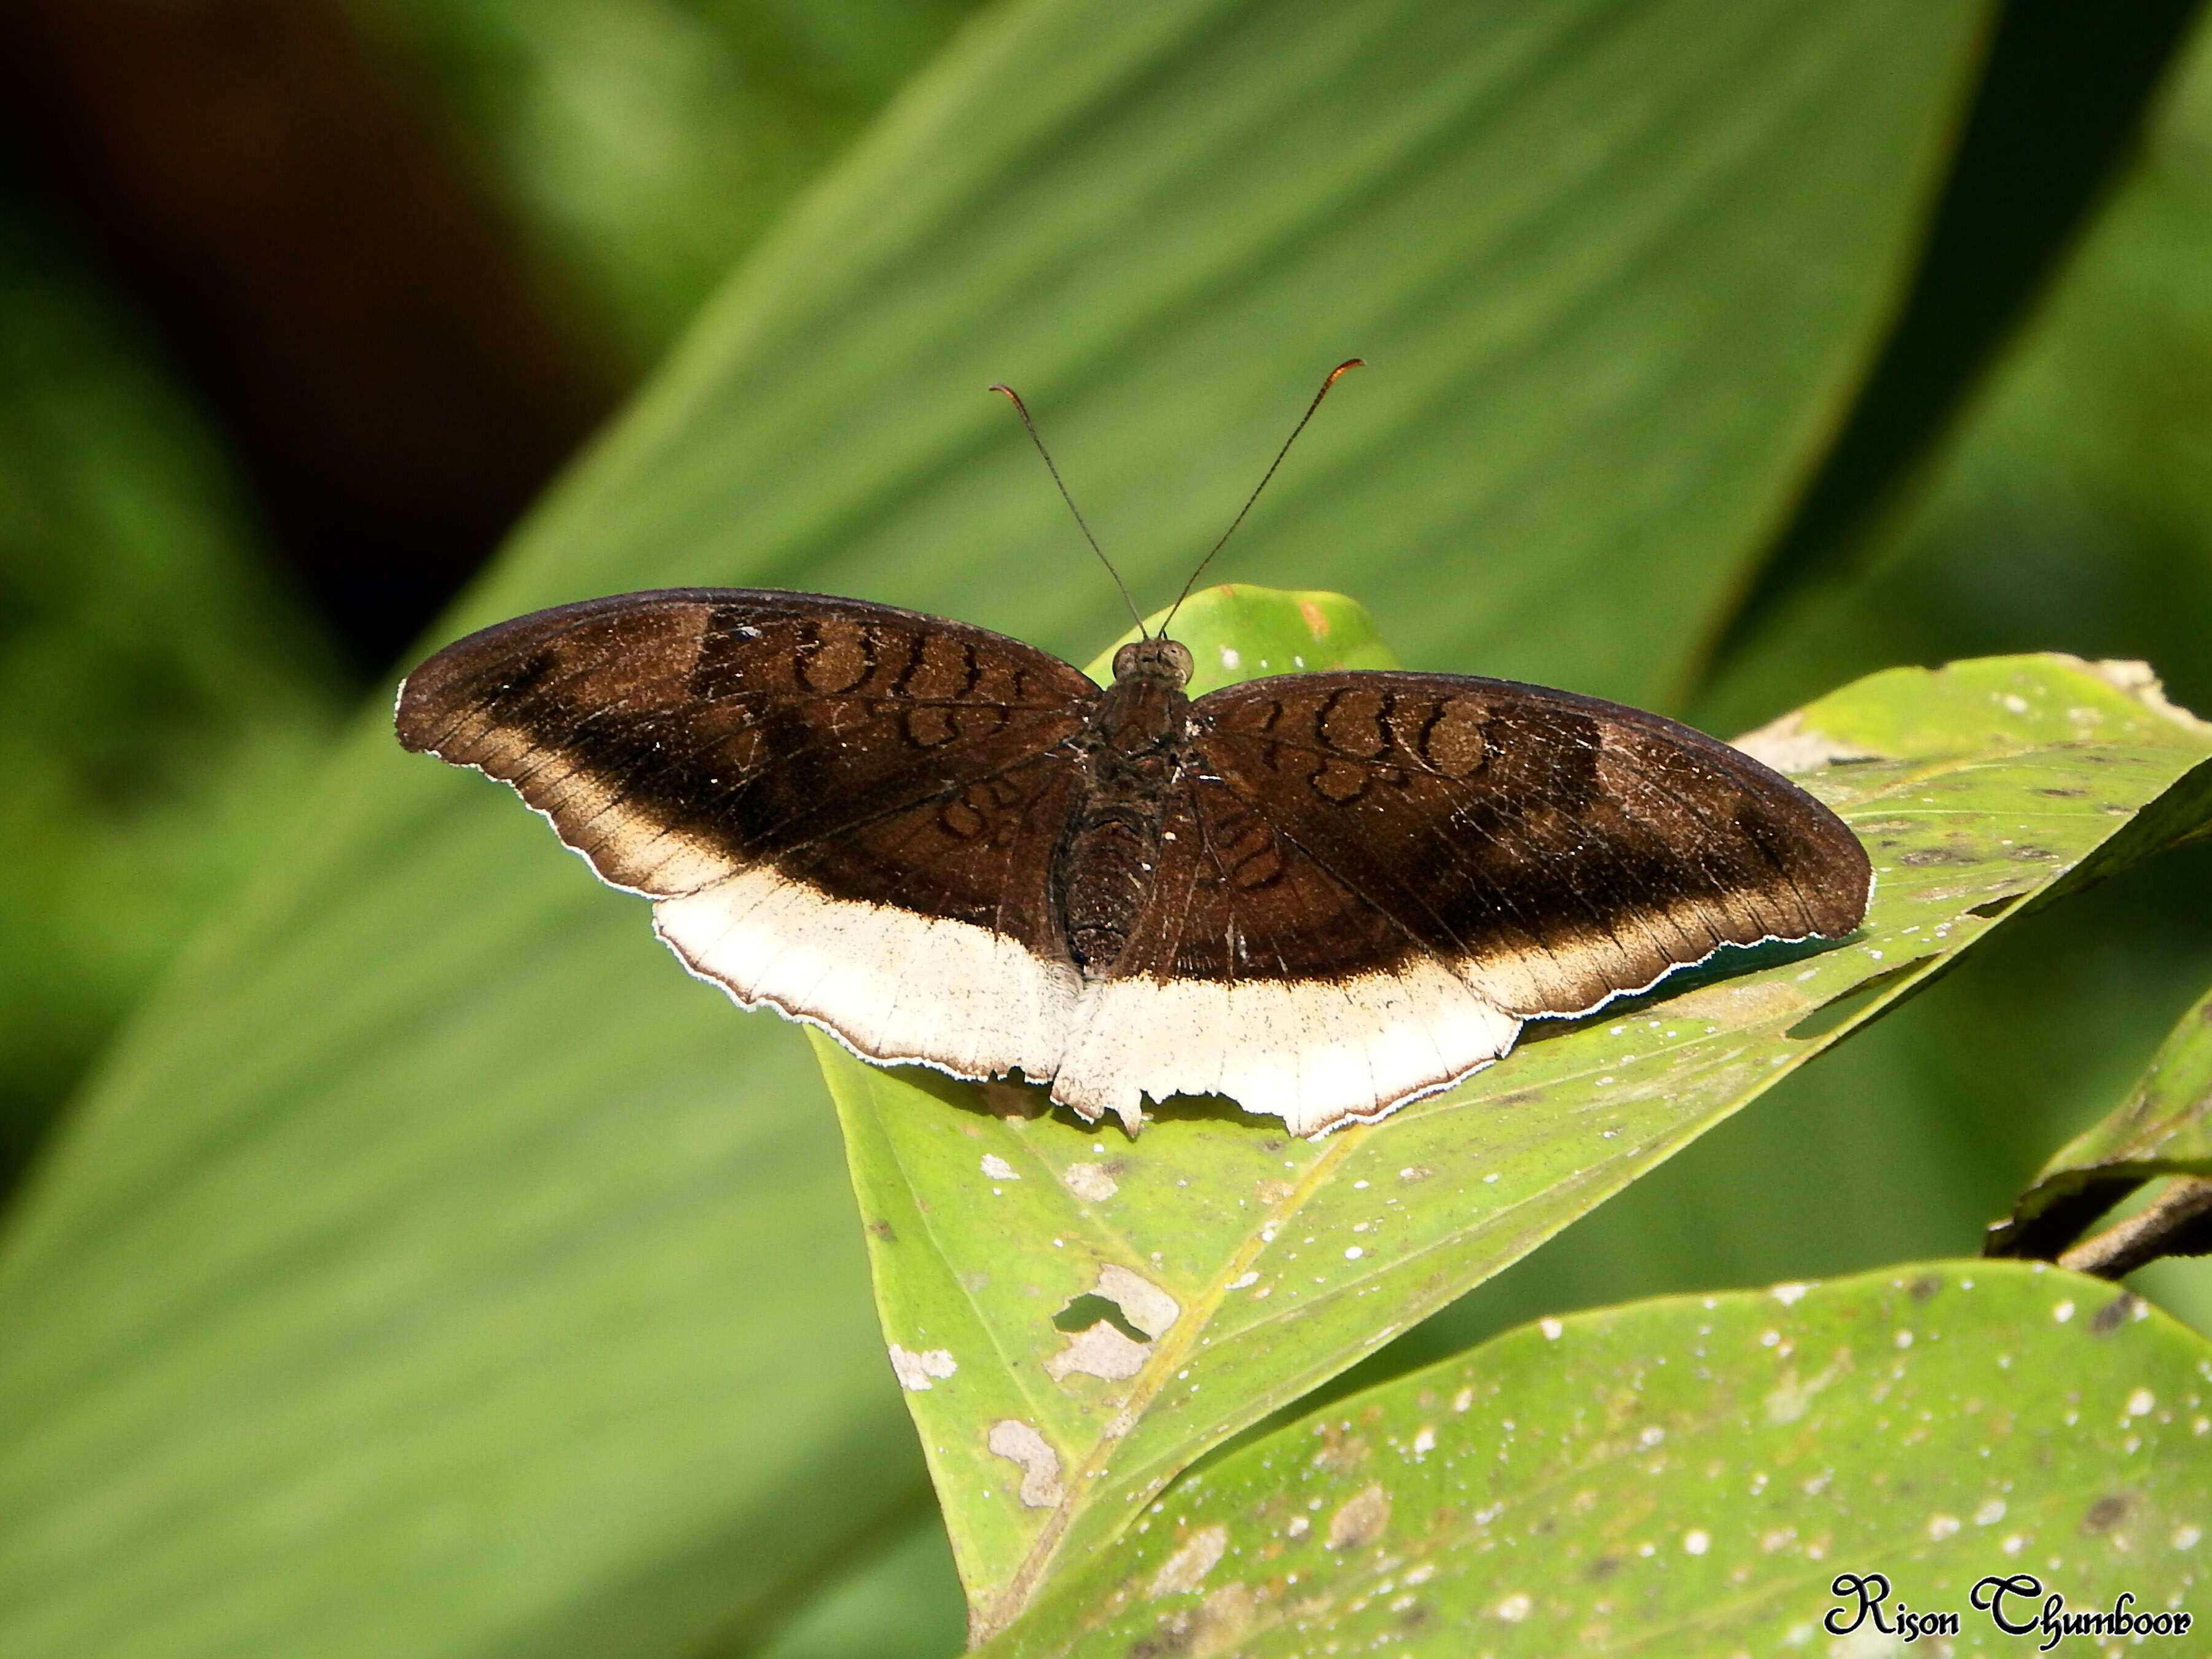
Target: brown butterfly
(1322, 895)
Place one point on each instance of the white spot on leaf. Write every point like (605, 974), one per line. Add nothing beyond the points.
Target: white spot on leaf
(1020, 1443)
(1142, 1303)
(1186, 1570)
(1091, 1183)
(1102, 1352)
(998, 1169)
(1791, 1398)
(1361, 1521)
(915, 1370)
(1788, 745)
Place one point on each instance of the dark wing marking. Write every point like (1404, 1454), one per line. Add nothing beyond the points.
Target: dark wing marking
(1235, 901)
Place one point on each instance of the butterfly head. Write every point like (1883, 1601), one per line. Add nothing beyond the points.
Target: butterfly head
(1166, 660)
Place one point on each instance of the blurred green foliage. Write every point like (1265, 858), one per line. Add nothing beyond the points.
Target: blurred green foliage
(168, 692)
(2072, 508)
(165, 700)
(165, 696)
(642, 145)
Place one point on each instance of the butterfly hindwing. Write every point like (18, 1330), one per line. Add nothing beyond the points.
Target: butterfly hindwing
(1255, 973)
(928, 934)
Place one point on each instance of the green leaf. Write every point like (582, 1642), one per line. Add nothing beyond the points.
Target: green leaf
(1243, 1268)
(472, 1280)
(1908, 714)
(2164, 1127)
(1691, 1475)
(1239, 633)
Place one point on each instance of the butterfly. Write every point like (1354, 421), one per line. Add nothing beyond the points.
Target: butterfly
(1322, 895)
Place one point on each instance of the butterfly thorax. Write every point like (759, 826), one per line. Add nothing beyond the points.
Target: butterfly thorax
(1133, 748)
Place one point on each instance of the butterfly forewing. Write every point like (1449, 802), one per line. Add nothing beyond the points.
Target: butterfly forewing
(675, 737)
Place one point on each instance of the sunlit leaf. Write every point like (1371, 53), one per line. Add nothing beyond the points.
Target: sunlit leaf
(1078, 1316)
(1693, 1475)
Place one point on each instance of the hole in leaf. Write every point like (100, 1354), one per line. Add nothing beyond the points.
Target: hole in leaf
(1087, 1309)
(1996, 907)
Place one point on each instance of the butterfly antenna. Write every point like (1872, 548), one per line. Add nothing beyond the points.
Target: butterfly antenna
(1349, 362)
(1022, 409)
